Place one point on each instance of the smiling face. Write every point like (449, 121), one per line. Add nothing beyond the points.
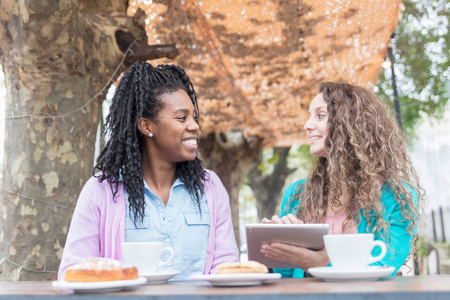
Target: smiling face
(175, 130)
(316, 126)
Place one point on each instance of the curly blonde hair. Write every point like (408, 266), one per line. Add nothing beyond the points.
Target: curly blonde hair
(365, 149)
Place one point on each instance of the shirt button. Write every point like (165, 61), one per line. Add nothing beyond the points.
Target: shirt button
(169, 218)
(209, 251)
(168, 240)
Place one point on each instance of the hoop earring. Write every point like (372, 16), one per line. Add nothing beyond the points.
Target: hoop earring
(150, 134)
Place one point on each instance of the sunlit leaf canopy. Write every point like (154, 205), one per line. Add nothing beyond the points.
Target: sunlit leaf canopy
(256, 65)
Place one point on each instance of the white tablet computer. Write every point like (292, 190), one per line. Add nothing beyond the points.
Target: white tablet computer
(304, 235)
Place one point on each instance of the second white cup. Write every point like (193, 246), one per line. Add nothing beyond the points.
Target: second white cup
(146, 256)
(353, 251)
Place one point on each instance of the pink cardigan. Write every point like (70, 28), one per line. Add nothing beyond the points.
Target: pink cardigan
(98, 225)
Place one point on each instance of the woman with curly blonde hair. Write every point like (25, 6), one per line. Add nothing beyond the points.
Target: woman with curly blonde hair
(362, 182)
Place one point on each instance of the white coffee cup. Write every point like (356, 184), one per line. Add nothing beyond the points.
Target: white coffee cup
(353, 251)
(146, 256)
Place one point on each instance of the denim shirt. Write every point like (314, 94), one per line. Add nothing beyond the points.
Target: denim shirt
(179, 225)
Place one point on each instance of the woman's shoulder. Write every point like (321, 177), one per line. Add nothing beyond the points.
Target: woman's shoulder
(292, 188)
(391, 189)
(212, 180)
(210, 173)
(388, 193)
(101, 192)
(94, 180)
(300, 181)
(288, 203)
(211, 177)
(95, 184)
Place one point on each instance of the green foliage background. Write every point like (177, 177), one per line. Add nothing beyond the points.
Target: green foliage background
(421, 48)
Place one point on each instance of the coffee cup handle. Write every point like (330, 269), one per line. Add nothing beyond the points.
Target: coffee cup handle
(383, 247)
(169, 260)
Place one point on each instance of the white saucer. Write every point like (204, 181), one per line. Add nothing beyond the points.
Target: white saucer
(238, 279)
(98, 287)
(160, 277)
(333, 274)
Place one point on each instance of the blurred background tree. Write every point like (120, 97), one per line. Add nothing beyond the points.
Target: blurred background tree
(422, 50)
(279, 167)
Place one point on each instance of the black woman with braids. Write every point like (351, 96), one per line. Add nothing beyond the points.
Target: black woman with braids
(151, 185)
(362, 181)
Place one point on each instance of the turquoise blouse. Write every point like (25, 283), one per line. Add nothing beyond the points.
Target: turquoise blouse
(399, 246)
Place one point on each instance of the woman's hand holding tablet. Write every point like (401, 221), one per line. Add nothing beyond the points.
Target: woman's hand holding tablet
(288, 219)
(284, 244)
(298, 257)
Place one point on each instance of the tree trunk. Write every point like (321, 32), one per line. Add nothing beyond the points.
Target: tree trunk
(231, 156)
(268, 188)
(59, 57)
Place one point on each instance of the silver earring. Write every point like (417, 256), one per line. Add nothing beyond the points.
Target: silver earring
(150, 134)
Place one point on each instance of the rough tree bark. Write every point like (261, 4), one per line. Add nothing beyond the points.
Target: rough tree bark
(231, 156)
(268, 188)
(58, 58)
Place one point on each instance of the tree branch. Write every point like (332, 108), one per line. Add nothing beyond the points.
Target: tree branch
(141, 50)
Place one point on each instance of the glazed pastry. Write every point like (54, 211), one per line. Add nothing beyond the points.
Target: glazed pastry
(100, 269)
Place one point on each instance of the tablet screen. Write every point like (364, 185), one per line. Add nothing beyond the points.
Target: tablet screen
(304, 235)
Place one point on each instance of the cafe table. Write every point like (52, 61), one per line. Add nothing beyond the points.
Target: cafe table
(395, 288)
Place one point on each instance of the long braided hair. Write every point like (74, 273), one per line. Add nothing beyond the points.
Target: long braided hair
(138, 96)
(365, 149)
